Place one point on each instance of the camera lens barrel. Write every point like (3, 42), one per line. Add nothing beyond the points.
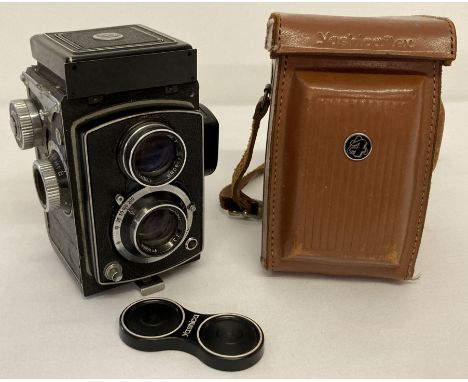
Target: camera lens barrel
(153, 229)
(152, 154)
(152, 223)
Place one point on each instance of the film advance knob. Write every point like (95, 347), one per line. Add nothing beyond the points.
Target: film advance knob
(26, 124)
(47, 184)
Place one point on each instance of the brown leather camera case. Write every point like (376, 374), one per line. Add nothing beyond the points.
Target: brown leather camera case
(355, 125)
(335, 76)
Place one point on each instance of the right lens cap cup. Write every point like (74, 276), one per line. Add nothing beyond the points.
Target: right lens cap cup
(233, 342)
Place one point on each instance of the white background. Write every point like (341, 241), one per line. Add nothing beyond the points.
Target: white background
(314, 326)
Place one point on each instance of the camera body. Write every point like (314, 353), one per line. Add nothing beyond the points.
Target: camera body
(122, 147)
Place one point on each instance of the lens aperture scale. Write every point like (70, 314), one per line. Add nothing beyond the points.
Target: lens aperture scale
(227, 341)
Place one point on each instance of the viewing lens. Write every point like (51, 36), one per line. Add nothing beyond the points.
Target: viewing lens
(155, 155)
(152, 154)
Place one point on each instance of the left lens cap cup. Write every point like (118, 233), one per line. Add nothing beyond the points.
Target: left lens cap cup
(151, 319)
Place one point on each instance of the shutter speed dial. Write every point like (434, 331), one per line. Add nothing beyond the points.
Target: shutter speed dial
(26, 124)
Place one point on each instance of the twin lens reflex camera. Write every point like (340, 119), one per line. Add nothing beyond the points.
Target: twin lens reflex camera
(122, 147)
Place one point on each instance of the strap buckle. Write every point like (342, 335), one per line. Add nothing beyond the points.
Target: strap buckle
(264, 101)
(245, 215)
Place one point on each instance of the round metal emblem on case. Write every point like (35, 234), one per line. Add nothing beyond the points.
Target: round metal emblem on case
(357, 146)
(108, 36)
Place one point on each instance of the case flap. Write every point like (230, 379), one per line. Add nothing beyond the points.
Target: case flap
(421, 37)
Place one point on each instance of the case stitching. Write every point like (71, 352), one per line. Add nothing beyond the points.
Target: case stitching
(452, 32)
(428, 156)
(452, 38)
(275, 160)
(279, 32)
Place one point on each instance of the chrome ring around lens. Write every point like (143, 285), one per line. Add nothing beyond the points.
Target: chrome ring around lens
(160, 161)
(133, 211)
(167, 242)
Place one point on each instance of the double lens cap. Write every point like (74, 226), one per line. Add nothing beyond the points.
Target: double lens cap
(229, 342)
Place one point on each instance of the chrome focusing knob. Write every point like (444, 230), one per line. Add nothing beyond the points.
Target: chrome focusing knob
(26, 124)
(47, 184)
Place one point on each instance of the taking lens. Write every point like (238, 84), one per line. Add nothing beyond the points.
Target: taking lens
(152, 223)
(157, 228)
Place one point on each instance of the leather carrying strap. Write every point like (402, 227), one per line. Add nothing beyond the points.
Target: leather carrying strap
(231, 197)
(236, 202)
